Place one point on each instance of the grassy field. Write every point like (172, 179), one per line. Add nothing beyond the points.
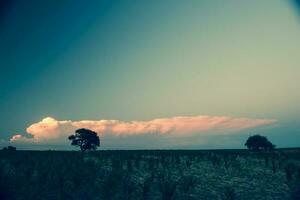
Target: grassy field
(150, 174)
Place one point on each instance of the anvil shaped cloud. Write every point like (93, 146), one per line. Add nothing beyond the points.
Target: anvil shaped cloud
(52, 130)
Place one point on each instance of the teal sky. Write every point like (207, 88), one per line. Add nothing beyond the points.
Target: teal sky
(141, 60)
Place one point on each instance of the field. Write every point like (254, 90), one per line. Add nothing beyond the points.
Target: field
(151, 174)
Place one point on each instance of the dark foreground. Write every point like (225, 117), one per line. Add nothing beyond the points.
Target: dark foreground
(169, 174)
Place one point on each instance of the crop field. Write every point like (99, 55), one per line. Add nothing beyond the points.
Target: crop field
(151, 174)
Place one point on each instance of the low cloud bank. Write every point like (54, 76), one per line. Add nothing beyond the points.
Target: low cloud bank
(53, 131)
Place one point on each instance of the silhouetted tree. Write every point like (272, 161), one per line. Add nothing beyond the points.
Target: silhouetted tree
(258, 142)
(86, 139)
(270, 146)
(9, 148)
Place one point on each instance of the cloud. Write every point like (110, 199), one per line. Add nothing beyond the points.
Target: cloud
(19, 137)
(51, 131)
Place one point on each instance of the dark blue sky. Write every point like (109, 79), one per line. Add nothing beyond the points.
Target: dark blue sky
(33, 36)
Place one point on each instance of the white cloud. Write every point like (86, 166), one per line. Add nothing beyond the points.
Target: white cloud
(51, 131)
(20, 138)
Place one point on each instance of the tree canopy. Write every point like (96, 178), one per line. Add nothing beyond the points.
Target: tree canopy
(86, 139)
(258, 142)
(9, 148)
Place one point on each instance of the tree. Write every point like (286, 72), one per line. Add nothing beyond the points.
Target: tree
(9, 148)
(258, 142)
(86, 139)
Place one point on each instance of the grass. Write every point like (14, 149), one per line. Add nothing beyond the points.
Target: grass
(150, 174)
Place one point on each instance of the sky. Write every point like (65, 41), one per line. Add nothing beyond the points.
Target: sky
(149, 74)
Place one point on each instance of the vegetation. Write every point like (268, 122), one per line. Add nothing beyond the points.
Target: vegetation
(9, 148)
(153, 174)
(86, 139)
(258, 142)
